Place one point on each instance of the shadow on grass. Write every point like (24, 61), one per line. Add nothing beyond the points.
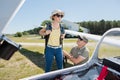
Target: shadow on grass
(38, 59)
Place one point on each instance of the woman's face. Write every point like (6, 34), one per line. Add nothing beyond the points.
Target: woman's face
(57, 17)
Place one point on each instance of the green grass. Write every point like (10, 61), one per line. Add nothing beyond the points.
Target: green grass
(36, 39)
(26, 62)
(27, 38)
(30, 61)
(108, 51)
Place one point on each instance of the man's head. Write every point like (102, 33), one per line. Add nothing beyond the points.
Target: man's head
(82, 41)
(83, 38)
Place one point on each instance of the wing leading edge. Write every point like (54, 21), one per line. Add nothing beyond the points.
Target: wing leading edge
(109, 41)
(8, 9)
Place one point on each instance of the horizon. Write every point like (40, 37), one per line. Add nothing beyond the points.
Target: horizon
(32, 13)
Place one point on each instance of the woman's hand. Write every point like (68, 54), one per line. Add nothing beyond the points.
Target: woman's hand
(42, 32)
(63, 36)
(48, 32)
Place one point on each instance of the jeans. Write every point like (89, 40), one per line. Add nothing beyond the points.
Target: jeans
(49, 56)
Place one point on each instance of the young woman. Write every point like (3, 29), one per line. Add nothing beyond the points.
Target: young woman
(54, 35)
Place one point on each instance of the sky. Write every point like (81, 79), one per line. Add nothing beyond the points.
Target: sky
(34, 12)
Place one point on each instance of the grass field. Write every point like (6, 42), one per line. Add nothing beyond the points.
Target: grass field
(30, 59)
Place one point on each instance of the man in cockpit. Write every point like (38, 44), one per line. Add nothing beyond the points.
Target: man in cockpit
(80, 53)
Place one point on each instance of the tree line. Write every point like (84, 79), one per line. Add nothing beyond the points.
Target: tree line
(99, 27)
(95, 27)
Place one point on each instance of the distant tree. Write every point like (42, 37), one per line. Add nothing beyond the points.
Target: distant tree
(31, 31)
(118, 23)
(18, 34)
(83, 24)
(36, 30)
(115, 24)
(107, 25)
(45, 22)
(80, 30)
(25, 33)
(95, 27)
(101, 26)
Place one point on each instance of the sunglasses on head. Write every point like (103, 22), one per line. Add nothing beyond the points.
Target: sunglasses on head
(58, 15)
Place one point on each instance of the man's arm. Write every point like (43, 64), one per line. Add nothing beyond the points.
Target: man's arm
(77, 60)
(65, 53)
(71, 58)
